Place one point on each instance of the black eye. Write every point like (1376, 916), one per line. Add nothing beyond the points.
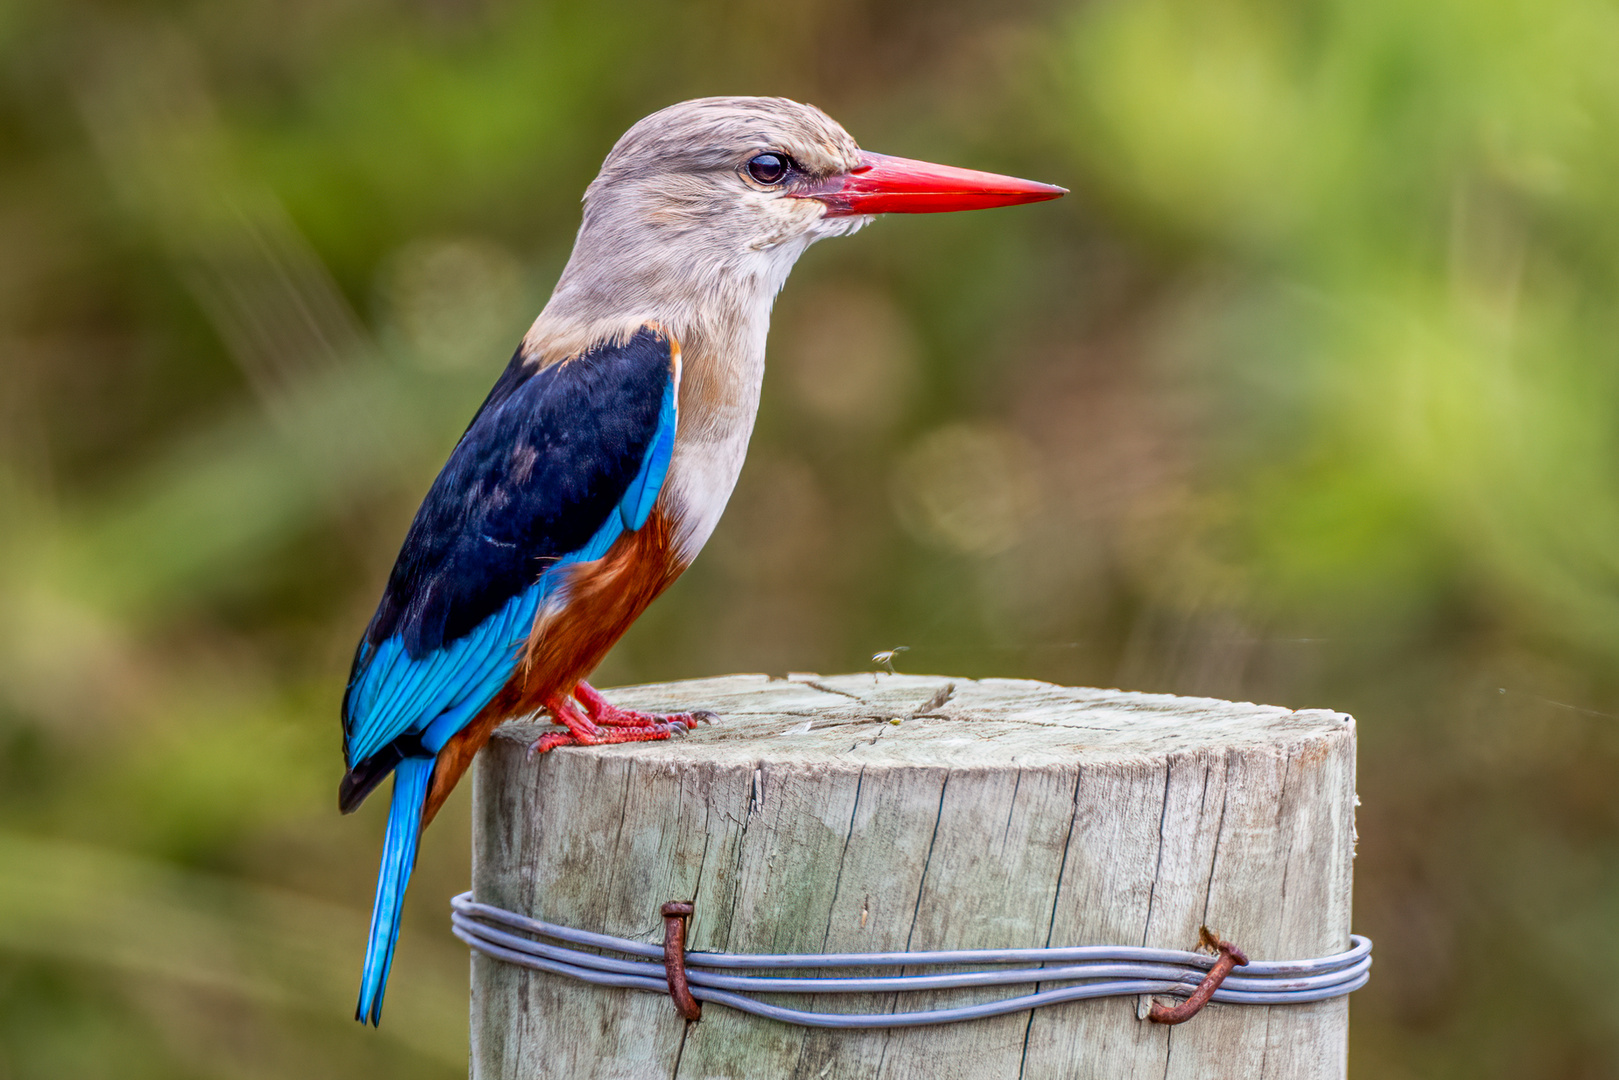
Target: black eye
(769, 168)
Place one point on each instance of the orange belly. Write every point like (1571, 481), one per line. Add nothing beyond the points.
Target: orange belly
(602, 599)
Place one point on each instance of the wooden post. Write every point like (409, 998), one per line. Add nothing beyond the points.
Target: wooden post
(862, 813)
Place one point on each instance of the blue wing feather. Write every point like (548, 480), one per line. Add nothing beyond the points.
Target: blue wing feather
(488, 543)
(637, 503)
(557, 464)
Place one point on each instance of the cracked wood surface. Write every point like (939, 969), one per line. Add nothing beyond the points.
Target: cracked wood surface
(998, 813)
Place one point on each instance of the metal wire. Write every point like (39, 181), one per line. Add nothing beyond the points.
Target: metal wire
(1099, 971)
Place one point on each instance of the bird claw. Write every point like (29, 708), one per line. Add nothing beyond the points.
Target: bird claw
(609, 736)
(602, 723)
(624, 718)
(604, 713)
(550, 741)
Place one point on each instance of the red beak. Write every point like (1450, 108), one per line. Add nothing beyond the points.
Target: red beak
(896, 185)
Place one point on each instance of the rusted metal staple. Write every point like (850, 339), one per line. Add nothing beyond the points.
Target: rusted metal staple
(675, 914)
(1230, 957)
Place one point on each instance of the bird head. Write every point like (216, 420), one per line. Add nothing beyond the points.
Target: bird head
(707, 204)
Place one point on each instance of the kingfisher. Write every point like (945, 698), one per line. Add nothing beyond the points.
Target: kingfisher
(600, 462)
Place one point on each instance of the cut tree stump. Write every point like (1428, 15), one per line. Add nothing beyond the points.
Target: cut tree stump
(995, 813)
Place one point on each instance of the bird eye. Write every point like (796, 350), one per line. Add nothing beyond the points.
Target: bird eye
(769, 168)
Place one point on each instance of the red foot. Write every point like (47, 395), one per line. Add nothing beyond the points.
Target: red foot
(607, 714)
(602, 723)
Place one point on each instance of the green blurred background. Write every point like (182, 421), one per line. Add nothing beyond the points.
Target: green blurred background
(1309, 394)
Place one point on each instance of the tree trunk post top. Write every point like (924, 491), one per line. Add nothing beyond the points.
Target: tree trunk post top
(873, 813)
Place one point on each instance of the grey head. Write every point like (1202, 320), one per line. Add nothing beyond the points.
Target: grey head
(680, 229)
(702, 208)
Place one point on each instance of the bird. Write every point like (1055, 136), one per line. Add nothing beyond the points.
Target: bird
(600, 462)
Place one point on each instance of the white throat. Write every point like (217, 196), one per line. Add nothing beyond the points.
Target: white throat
(724, 374)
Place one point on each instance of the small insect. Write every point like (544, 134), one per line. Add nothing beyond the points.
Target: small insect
(886, 657)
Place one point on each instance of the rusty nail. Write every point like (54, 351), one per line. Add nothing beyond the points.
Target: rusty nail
(1230, 957)
(675, 914)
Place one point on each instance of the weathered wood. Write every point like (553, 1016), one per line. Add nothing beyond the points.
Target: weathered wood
(1014, 813)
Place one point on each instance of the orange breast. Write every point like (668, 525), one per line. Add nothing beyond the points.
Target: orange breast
(592, 607)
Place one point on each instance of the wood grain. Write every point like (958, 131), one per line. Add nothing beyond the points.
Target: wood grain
(1002, 813)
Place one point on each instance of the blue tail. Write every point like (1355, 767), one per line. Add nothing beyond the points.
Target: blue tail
(398, 859)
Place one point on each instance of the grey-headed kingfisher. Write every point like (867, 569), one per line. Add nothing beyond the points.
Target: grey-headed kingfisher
(602, 459)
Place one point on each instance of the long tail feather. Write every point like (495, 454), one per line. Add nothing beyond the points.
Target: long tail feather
(398, 859)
